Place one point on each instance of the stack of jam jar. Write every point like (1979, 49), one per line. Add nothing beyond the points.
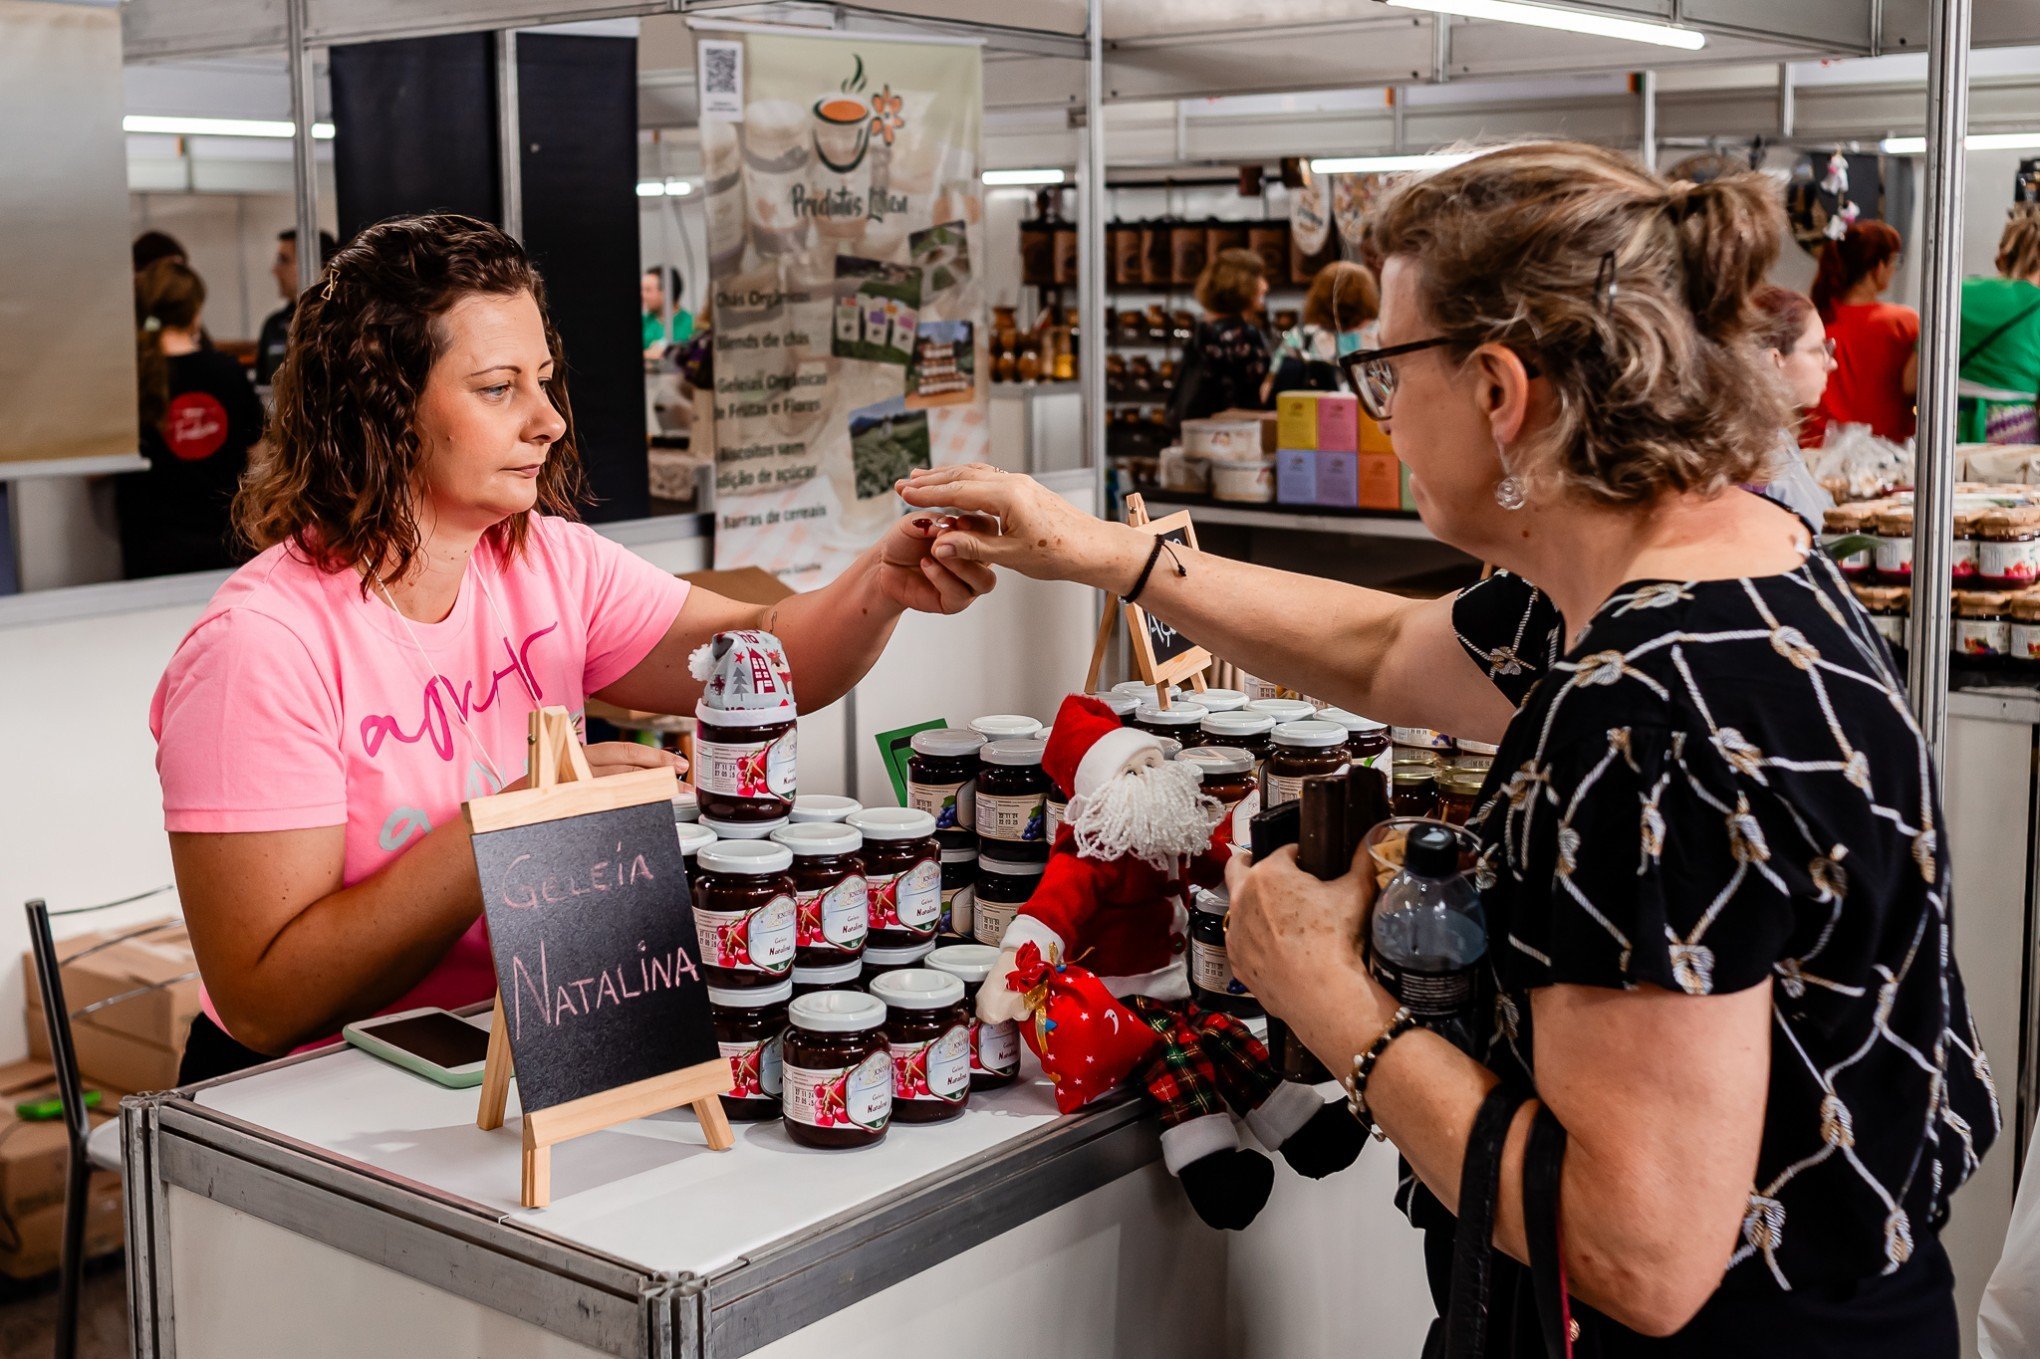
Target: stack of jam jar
(1994, 567)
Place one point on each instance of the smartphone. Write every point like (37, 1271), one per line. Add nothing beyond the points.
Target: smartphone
(431, 1042)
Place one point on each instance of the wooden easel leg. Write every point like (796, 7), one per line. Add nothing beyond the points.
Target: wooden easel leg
(715, 1125)
(537, 1172)
(1106, 622)
(495, 1074)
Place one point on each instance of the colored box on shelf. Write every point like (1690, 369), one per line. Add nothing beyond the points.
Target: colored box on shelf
(1296, 476)
(1338, 422)
(1296, 420)
(1380, 481)
(1409, 502)
(1269, 443)
(1338, 479)
(1373, 438)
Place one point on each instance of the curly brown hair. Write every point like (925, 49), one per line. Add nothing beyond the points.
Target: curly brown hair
(1630, 292)
(346, 462)
(1227, 285)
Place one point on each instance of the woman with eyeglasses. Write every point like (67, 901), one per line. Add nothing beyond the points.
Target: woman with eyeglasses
(1790, 334)
(1712, 869)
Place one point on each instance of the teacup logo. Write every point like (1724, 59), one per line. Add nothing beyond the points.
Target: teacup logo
(846, 121)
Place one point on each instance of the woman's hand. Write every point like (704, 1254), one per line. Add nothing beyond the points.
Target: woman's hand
(1295, 941)
(1044, 536)
(914, 578)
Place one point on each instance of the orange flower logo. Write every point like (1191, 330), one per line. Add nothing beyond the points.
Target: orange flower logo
(885, 114)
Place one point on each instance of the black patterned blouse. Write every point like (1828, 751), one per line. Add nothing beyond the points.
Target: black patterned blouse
(1226, 370)
(1717, 786)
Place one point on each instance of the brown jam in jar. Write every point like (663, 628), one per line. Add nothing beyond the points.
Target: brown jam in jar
(1012, 800)
(1458, 793)
(903, 864)
(749, 1028)
(1003, 887)
(745, 773)
(832, 901)
(1845, 520)
(1413, 788)
(942, 781)
(1366, 739)
(838, 1071)
(929, 1033)
(1178, 721)
(1248, 731)
(959, 890)
(994, 1048)
(1228, 773)
(843, 976)
(744, 913)
(1301, 749)
(1894, 550)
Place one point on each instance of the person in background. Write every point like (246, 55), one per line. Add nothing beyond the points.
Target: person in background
(656, 333)
(1225, 366)
(275, 337)
(2001, 341)
(1877, 358)
(199, 418)
(1789, 332)
(152, 245)
(1338, 314)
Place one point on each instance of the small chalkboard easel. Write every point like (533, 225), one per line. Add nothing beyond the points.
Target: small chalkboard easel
(1161, 655)
(564, 791)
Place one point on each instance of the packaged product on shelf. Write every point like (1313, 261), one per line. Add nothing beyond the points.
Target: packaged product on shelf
(1006, 727)
(2008, 553)
(942, 781)
(1223, 440)
(744, 913)
(1853, 519)
(1983, 623)
(1296, 419)
(815, 808)
(929, 1034)
(1179, 720)
(745, 748)
(1213, 984)
(994, 1048)
(903, 870)
(2025, 626)
(1894, 553)
(1244, 483)
(1228, 772)
(959, 888)
(1301, 749)
(1012, 800)
(1180, 471)
(1296, 476)
(838, 1071)
(1338, 422)
(1003, 887)
(1338, 479)
(749, 1027)
(832, 899)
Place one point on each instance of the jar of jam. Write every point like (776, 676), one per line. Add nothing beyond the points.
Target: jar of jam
(692, 837)
(744, 913)
(832, 900)
(743, 830)
(1212, 983)
(814, 808)
(1458, 793)
(1249, 731)
(1006, 727)
(1003, 887)
(1220, 700)
(1966, 549)
(959, 890)
(903, 862)
(1012, 800)
(1889, 607)
(1283, 709)
(847, 975)
(1475, 755)
(1413, 788)
(2026, 626)
(994, 1048)
(686, 807)
(838, 1072)
(880, 960)
(1407, 741)
(2008, 555)
(1055, 811)
(745, 773)
(929, 1033)
(1851, 519)
(1366, 739)
(1894, 553)
(942, 781)
(1122, 705)
(1228, 773)
(1301, 749)
(1983, 623)
(1177, 721)
(749, 1027)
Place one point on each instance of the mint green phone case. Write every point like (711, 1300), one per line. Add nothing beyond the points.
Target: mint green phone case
(366, 1040)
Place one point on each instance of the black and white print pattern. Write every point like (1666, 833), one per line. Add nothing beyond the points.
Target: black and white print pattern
(1719, 785)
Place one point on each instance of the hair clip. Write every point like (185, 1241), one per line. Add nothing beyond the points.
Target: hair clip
(326, 293)
(152, 324)
(1606, 285)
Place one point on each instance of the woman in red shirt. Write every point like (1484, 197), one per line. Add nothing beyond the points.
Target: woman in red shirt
(1877, 361)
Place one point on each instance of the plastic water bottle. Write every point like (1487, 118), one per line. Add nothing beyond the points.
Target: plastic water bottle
(1429, 933)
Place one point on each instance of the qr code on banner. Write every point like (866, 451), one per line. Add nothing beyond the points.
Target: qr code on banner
(722, 80)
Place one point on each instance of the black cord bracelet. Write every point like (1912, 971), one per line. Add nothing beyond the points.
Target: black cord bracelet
(1154, 555)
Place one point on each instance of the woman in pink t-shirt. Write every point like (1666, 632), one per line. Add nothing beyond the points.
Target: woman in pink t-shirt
(421, 589)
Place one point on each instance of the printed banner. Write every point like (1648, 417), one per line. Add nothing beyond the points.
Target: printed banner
(846, 234)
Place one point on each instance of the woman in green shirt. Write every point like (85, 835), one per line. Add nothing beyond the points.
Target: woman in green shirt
(2001, 341)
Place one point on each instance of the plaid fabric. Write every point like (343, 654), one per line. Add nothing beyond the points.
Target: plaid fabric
(1206, 1062)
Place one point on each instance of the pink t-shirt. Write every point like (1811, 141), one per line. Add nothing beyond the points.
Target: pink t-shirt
(295, 703)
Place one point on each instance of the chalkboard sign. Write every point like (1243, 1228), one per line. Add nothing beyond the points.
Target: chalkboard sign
(1163, 655)
(593, 935)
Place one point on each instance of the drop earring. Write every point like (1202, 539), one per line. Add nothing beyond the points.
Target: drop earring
(1510, 492)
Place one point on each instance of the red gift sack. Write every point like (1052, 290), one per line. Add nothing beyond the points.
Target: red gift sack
(1086, 1040)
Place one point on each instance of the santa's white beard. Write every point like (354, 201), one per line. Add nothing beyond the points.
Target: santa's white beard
(1157, 813)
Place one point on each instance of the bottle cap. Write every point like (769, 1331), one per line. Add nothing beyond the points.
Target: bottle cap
(1432, 852)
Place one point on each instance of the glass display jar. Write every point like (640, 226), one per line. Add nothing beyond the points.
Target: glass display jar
(1228, 773)
(1300, 750)
(942, 781)
(1966, 549)
(1283, 709)
(1413, 788)
(2008, 553)
(847, 975)
(1212, 983)
(1249, 731)
(832, 900)
(1458, 793)
(811, 808)
(1006, 727)
(1889, 607)
(744, 913)
(959, 890)
(2026, 627)
(994, 1048)
(880, 960)
(749, 1029)
(1220, 700)
(1894, 552)
(1003, 887)
(1366, 739)
(1012, 800)
(1178, 721)
(1983, 624)
(1852, 519)
(745, 774)
(928, 1031)
(838, 1071)
(903, 865)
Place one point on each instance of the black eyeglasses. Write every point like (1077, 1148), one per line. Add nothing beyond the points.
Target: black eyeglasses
(1373, 378)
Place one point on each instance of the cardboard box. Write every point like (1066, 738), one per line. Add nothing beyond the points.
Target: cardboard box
(1295, 476)
(35, 1247)
(1270, 442)
(1380, 477)
(135, 1043)
(1338, 422)
(1296, 419)
(1338, 479)
(33, 1155)
(1373, 438)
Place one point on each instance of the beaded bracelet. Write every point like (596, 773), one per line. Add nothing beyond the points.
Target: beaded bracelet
(1363, 1067)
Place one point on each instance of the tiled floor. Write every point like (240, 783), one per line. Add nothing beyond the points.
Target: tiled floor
(28, 1315)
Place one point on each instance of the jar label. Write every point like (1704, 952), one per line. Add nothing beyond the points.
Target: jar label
(993, 919)
(760, 940)
(842, 1096)
(1967, 558)
(1982, 636)
(1895, 555)
(1282, 788)
(1857, 562)
(2026, 641)
(1211, 970)
(754, 1068)
(2018, 563)
(1429, 995)
(750, 769)
(995, 1048)
(935, 1070)
(910, 901)
(1017, 820)
(957, 903)
(1055, 813)
(838, 916)
(1421, 737)
(953, 805)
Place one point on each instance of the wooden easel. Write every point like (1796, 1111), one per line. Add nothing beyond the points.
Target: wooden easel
(562, 785)
(1191, 664)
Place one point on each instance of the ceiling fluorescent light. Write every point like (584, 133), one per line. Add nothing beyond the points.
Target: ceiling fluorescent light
(651, 188)
(1975, 141)
(678, 188)
(1012, 177)
(1360, 165)
(1565, 20)
(220, 127)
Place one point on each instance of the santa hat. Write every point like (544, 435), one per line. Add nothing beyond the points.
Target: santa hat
(746, 680)
(1088, 747)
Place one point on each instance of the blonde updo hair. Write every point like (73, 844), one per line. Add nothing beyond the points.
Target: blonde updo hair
(2018, 253)
(1631, 296)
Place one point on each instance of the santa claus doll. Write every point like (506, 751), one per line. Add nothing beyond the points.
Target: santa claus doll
(1114, 901)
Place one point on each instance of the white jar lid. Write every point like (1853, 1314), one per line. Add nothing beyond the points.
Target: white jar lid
(1209, 902)
(1351, 721)
(1143, 691)
(686, 806)
(1219, 700)
(1240, 724)
(1218, 759)
(1016, 867)
(1284, 709)
(1478, 748)
(814, 807)
(1121, 704)
(837, 1012)
(693, 837)
(725, 998)
(946, 742)
(959, 856)
(744, 856)
(1175, 715)
(917, 988)
(893, 823)
(1006, 726)
(1310, 734)
(819, 837)
(742, 830)
(827, 974)
(971, 963)
(893, 957)
(1013, 752)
